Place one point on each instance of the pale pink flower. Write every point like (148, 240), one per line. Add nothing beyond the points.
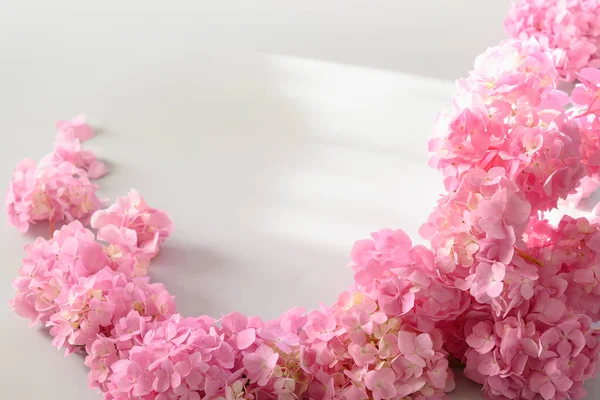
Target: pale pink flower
(129, 377)
(18, 204)
(131, 217)
(76, 128)
(395, 297)
(549, 381)
(73, 153)
(416, 348)
(363, 354)
(381, 383)
(170, 375)
(260, 364)
(482, 339)
(319, 326)
(489, 280)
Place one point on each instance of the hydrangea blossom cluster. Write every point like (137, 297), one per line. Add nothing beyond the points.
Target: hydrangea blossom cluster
(134, 228)
(58, 189)
(572, 26)
(351, 350)
(378, 341)
(510, 149)
(77, 287)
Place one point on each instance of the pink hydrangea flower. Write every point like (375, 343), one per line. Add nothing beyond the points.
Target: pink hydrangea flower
(130, 222)
(20, 200)
(76, 128)
(50, 267)
(380, 383)
(260, 364)
(57, 189)
(73, 153)
(482, 338)
(550, 381)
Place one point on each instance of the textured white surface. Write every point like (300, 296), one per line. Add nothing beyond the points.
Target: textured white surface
(270, 164)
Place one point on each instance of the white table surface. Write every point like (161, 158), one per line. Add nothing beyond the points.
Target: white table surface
(270, 165)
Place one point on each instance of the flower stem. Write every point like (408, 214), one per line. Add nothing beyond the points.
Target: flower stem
(528, 257)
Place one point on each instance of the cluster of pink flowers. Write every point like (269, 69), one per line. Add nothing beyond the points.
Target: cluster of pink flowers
(79, 289)
(512, 147)
(501, 290)
(378, 341)
(351, 350)
(572, 26)
(58, 189)
(132, 227)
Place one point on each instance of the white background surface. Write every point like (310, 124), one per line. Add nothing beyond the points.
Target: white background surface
(275, 134)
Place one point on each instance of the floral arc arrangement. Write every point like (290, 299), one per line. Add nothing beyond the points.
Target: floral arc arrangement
(500, 289)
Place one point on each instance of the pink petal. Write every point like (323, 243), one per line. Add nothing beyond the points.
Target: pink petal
(408, 302)
(252, 362)
(483, 329)
(495, 289)
(182, 368)
(488, 368)
(530, 347)
(584, 276)
(580, 96)
(547, 390)
(143, 385)
(245, 338)
(536, 381)
(564, 348)
(97, 170)
(526, 291)
(590, 76)
(593, 242)
(161, 382)
(406, 342)
(554, 310)
(475, 341)
(498, 271)
(424, 346)
(562, 382)
(175, 380)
